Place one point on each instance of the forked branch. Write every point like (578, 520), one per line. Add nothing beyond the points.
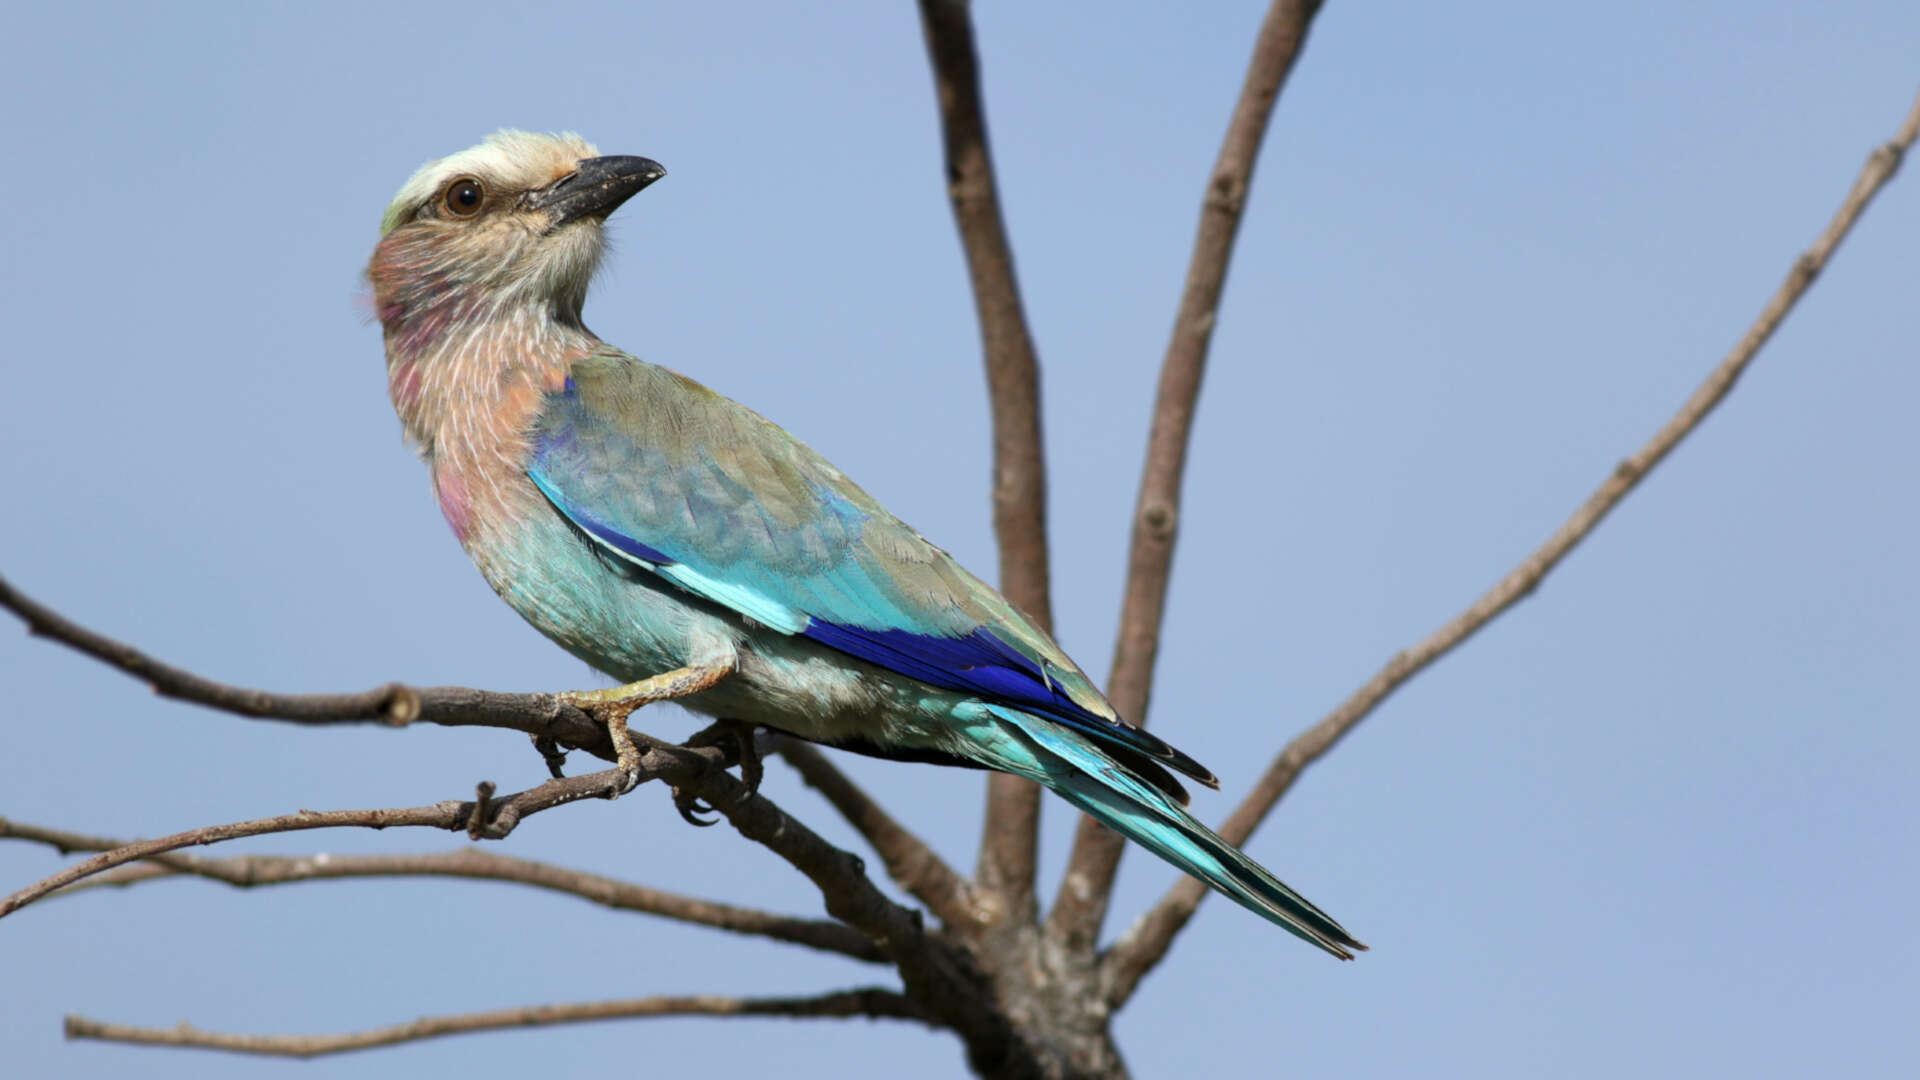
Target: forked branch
(841, 877)
(1147, 941)
(488, 816)
(933, 972)
(913, 865)
(255, 871)
(451, 815)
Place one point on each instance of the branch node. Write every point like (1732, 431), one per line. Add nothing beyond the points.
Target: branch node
(1888, 156)
(1805, 269)
(1227, 193)
(482, 802)
(502, 824)
(1159, 519)
(403, 705)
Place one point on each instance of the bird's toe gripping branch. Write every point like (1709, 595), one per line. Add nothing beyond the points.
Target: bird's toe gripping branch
(740, 733)
(614, 705)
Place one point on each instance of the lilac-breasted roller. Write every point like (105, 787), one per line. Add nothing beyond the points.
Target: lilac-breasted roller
(693, 550)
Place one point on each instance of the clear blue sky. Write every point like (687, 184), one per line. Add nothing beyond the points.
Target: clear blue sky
(1658, 821)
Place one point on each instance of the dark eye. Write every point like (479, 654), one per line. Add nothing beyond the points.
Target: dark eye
(464, 197)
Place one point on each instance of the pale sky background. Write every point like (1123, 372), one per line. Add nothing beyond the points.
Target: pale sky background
(1658, 821)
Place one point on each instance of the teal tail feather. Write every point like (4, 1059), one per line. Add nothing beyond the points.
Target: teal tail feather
(1101, 787)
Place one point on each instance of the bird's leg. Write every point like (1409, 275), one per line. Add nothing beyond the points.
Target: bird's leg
(738, 732)
(613, 705)
(551, 753)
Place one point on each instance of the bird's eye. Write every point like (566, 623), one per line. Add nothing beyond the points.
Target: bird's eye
(464, 197)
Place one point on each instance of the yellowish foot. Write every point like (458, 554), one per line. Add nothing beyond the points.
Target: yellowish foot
(613, 705)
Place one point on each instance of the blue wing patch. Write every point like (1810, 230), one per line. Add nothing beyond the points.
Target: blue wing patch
(740, 598)
(978, 663)
(983, 665)
(626, 545)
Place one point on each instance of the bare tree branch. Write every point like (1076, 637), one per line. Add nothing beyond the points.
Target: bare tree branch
(453, 815)
(1010, 833)
(251, 871)
(537, 714)
(1081, 906)
(934, 972)
(1147, 941)
(841, 876)
(936, 975)
(910, 862)
(394, 704)
(871, 1001)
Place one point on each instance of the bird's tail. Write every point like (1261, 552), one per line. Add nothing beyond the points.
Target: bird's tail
(1080, 773)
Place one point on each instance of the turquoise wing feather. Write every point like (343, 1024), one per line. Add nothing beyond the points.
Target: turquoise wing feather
(685, 483)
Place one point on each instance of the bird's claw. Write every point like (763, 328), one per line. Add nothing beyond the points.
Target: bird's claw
(613, 713)
(629, 778)
(740, 733)
(691, 807)
(612, 706)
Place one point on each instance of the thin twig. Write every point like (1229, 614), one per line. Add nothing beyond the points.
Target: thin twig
(910, 862)
(1147, 941)
(699, 770)
(1010, 833)
(252, 871)
(453, 815)
(871, 1001)
(1084, 893)
(478, 817)
(394, 704)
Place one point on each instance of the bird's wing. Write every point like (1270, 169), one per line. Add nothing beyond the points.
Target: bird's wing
(680, 481)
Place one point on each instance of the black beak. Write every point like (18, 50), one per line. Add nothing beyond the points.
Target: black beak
(597, 186)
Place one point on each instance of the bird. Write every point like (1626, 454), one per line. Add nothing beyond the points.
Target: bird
(694, 551)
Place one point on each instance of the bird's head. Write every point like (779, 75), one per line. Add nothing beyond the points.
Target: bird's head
(515, 222)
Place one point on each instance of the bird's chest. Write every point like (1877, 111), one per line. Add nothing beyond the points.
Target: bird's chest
(479, 454)
(617, 618)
